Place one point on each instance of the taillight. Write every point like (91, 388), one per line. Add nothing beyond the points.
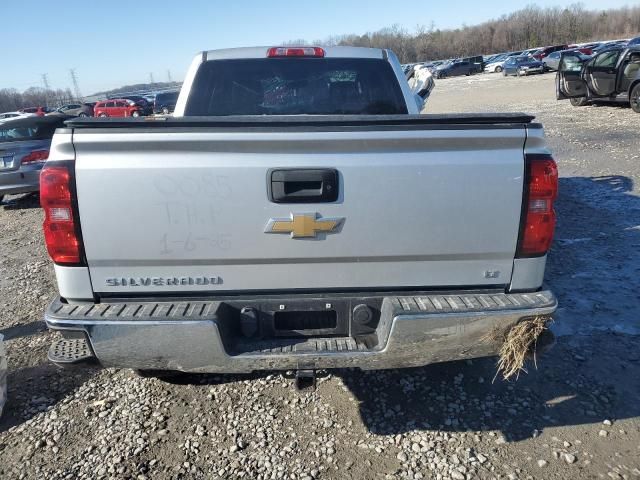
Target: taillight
(539, 218)
(59, 225)
(295, 52)
(37, 156)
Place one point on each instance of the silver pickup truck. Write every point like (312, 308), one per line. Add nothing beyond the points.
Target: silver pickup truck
(295, 213)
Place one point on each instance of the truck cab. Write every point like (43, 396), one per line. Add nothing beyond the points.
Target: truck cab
(612, 75)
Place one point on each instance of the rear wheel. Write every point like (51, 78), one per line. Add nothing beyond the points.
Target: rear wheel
(498, 69)
(578, 101)
(1, 198)
(103, 115)
(634, 98)
(135, 114)
(165, 110)
(82, 114)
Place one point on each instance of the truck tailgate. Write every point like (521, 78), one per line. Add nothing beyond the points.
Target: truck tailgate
(185, 210)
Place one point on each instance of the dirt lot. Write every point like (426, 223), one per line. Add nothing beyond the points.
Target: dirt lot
(576, 417)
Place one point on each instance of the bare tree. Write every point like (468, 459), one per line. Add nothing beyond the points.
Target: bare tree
(529, 27)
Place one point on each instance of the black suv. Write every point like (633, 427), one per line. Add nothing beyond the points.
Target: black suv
(165, 102)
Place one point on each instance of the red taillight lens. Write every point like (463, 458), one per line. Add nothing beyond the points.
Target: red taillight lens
(37, 156)
(539, 222)
(295, 52)
(59, 224)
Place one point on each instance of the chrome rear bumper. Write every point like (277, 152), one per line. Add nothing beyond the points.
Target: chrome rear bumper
(195, 336)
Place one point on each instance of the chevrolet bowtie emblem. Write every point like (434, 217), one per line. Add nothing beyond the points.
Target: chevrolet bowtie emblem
(303, 225)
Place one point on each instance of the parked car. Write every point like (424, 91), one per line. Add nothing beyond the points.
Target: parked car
(532, 51)
(496, 65)
(543, 52)
(591, 45)
(410, 262)
(608, 45)
(165, 102)
(75, 110)
(520, 66)
(24, 147)
(39, 111)
(143, 103)
(581, 48)
(491, 58)
(612, 75)
(552, 61)
(118, 107)
(12, 115)
(477, 62)
(456, 68)
(420, 81)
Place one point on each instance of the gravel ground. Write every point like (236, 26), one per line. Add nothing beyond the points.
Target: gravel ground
(575, 416)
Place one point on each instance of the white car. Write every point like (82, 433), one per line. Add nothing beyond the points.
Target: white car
(13, 115)
(495, 67)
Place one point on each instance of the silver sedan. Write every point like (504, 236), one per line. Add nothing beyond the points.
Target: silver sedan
(24, 147)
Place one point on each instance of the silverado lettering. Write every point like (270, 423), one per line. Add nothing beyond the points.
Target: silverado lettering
(160, 281)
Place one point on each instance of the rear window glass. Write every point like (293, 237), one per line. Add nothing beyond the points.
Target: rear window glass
(294, 86)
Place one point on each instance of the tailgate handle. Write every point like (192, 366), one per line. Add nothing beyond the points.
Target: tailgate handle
(303, 185)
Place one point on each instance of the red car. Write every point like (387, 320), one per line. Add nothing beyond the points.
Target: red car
(40, 111)
(117, 107)
(540, 54)
(585, 50)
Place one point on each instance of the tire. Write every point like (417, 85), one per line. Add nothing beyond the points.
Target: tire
(504, 73)
(82, 115)
(498, 69)
(634, 98)
(578, 101)
(165, 110)
(103, 115)
(1, 198)
(135, 114)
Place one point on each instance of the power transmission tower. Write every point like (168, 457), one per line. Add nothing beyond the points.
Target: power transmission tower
(76, 88)
(151, 78)
(47, 88)
(169, 76)
(45, 81)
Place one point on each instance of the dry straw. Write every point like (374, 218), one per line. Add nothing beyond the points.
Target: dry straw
(518, 344)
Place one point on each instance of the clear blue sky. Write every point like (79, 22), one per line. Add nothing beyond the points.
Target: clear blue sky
(113, 43)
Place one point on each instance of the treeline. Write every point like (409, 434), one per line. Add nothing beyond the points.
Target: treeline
(526, 28)
(12, 100)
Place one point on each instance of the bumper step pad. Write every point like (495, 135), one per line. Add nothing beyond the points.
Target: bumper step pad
(311, 345)
(70, 351)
